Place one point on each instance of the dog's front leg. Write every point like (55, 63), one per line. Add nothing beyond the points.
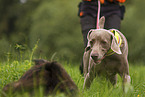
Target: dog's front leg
(86, 57)
(126, 83)
(89, 78)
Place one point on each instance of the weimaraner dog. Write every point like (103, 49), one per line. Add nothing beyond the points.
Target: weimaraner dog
(106, 55)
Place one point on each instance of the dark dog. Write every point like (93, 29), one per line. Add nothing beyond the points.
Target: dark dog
(106, 55)
(49, 75)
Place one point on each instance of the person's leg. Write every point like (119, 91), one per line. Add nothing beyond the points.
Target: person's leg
(87, 22)
(112, 22)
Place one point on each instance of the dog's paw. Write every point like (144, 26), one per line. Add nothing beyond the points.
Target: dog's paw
(128, 88)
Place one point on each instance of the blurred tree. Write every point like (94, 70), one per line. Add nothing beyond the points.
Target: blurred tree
(15, 18)
(133, 28)
(15, 22)
(57, 26)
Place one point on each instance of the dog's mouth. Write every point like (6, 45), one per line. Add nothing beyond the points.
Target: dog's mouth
(99, 60)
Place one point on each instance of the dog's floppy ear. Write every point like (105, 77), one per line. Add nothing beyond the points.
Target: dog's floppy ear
(101, 22)
(89, 33)
(88, 47)
(88, 44)
(114, 45)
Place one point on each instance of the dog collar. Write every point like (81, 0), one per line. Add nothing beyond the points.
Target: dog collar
(119, 41)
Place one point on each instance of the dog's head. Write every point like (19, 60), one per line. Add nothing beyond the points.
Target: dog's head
(100, 41)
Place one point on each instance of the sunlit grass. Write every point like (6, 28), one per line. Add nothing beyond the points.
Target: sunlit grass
(12, 71)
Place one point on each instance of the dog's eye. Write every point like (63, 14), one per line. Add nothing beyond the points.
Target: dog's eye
(103, 42)
(92, 41)
(87, 48)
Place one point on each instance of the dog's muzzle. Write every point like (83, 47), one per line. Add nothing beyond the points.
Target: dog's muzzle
(95, 58)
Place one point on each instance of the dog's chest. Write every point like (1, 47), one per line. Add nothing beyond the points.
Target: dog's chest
(108, 66)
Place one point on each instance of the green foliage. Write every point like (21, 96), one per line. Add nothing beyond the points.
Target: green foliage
(10, 72)
(4, 44)
(133, 28)
(56, 24)
(57, 27)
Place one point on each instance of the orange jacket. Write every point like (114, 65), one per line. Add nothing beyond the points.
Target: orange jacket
(121, 1)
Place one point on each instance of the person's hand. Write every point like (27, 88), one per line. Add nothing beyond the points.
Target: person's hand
(102, 1)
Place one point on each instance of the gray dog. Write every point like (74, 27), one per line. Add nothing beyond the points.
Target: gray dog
(106, 55)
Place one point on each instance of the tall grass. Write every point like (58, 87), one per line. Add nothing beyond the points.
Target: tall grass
(12, 71)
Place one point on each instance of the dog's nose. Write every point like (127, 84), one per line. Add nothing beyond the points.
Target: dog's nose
(94, 56)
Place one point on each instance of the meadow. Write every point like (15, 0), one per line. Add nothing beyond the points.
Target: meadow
(12, 71)
(58, 28)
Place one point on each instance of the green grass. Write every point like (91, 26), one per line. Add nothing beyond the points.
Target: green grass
(10, 72)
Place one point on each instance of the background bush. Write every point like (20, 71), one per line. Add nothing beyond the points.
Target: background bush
(55, 24)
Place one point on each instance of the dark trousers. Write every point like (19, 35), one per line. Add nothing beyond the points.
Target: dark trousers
(88, 22)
